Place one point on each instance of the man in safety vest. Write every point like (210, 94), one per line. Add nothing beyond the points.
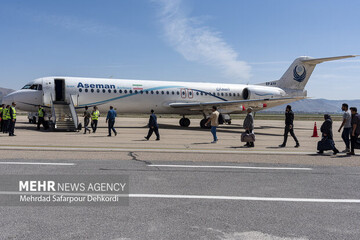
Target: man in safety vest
(1, 116)
(94, 118)
(5, 119)
(12, 120)
(41, 114)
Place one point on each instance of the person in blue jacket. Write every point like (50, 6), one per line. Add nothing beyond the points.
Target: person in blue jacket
(153, 126)
(110, 119)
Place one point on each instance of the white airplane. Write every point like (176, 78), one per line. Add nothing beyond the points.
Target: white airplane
(183, 98)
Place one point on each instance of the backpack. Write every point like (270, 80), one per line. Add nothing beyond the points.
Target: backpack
(221, 119)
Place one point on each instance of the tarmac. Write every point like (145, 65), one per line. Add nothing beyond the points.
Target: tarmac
(184, 187)
(192, 141)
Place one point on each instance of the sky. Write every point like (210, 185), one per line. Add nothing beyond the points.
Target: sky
(228, 41)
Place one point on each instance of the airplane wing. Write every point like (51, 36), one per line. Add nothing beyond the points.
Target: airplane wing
(235, 106)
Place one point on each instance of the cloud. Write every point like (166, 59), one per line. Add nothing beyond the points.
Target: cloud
(199, 43)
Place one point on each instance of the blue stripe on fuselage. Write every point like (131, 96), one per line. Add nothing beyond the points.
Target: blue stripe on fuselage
(150, 89)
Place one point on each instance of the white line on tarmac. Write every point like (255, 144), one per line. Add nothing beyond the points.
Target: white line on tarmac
(235, 167)
(195, 197)
(171, 150)
(266, 199)
(37, 163)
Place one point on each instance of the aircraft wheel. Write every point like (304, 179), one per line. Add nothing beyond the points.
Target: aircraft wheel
(184, 122)
(203, 122)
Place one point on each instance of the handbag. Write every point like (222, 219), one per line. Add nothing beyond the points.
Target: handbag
(247, 137)
(326, 144)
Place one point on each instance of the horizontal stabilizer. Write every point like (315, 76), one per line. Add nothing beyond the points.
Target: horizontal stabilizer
(320, 60)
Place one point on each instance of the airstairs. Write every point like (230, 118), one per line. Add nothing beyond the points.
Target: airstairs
(64, 116)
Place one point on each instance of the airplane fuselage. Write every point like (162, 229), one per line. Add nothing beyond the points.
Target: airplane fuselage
(133, 96)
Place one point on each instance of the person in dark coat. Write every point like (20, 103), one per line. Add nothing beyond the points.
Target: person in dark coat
(326, 130)
(355, 131)
(289, 127)
(153, 126)
(248, 125)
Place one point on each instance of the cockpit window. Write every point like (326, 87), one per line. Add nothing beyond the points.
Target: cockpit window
(33, 86)
(27, 86)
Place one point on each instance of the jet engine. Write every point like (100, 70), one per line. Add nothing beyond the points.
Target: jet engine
(262, 92)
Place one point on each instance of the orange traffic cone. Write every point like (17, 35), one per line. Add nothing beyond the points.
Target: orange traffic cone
(315, 133)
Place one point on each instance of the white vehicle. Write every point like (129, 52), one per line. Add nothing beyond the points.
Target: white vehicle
(64, 96)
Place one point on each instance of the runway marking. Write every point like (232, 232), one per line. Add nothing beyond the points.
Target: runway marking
(266, 199)
(171, 150)
(196, 197)
(37, 163)
(235, 167)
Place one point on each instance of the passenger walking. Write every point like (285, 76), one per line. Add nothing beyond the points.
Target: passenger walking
(355, 131)
(87, 117)
(6, 119)
(153, 126)
(214, 122)
(1, 116)
(327, 134)
(346, 123)
(248, 125)
(41, 115)
(289, 127)
(110, 119)
(94, 118)
(12, 119)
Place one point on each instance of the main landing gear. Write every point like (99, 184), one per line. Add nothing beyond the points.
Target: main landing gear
(203, 123)
(184, 122)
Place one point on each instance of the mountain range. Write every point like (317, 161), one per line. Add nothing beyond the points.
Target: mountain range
(4, 92)
(315, 106)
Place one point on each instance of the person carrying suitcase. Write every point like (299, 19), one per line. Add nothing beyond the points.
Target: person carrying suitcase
(327, 142)
(248, 125)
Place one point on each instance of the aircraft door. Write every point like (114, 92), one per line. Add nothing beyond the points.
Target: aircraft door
(59, 90)
(48, 92)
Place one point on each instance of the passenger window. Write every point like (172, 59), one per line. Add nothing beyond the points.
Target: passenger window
(130, 91)
(80, 90)
(162, 92)
(125, 91)
(103, 91)
(97, 90)
(115, 91)
(109, 91)
(92, 90)
(86, 90)
(120, 91)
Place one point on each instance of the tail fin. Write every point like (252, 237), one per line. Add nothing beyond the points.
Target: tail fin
(299, 72)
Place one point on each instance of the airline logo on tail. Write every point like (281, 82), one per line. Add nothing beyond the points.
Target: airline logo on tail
(299, 73)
